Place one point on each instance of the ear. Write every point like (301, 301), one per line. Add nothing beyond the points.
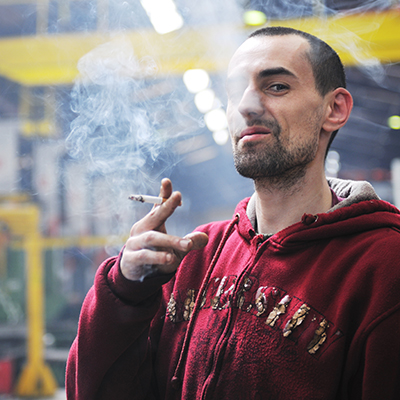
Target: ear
(340, 104)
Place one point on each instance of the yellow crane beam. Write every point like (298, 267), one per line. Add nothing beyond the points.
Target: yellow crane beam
(43, 60)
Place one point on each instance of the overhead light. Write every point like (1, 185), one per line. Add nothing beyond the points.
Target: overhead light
(332, 164)
(221, 137)
(163, 15)
(216, 120)
(204, 100)
(394, 122)
(254, 18)
(196, 80)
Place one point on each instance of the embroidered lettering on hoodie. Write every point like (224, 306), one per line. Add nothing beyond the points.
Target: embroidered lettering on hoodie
(188, 304)
(171, 308)
(220, 291)
(319, 337)
(261, 301)
(279, 309)
(245, 287)
(296, 320)
(281, 312)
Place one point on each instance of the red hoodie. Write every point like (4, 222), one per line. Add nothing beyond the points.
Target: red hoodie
(312, 312)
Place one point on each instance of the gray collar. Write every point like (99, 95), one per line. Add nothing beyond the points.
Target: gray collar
(350, 191)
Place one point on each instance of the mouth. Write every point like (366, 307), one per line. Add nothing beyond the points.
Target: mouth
(254, 132)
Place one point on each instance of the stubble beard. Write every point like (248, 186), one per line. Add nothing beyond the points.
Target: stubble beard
(274, 165)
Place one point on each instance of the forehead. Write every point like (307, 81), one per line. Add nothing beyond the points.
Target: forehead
(264, 52)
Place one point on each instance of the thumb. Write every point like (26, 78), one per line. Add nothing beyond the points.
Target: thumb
(198, 239)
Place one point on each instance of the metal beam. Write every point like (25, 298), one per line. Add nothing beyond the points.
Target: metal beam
(52, 59)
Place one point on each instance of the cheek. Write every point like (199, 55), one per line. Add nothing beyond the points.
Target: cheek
(232, 115)
(304, 119)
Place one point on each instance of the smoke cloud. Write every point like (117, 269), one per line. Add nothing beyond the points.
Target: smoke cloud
(112, 130)
(128, 116)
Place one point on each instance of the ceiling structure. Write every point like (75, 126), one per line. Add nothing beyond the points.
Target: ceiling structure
(42, 41)
(52, 59)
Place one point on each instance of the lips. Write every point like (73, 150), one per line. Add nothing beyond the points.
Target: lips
(253, 132)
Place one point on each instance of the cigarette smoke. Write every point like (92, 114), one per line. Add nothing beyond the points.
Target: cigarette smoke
(128, 116)
(112, 130)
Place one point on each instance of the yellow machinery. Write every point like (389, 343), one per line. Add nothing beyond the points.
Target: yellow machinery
(23, 222)
(52, 59)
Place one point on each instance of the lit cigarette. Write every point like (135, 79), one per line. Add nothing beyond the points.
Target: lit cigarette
(143, 198)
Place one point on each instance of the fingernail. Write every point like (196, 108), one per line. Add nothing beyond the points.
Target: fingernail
(168, 258)
(185, 243)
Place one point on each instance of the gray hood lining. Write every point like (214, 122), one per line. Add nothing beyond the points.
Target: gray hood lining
(350, 191)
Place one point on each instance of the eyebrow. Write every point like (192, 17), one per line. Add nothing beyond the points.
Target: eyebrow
(265, 73)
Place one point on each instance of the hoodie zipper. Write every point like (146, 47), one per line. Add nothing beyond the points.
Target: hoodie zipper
(219, 352)
(177, 378)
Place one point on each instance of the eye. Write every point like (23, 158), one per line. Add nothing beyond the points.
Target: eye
(278, 87)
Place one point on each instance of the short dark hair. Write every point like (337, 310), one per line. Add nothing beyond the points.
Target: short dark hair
(326, 65)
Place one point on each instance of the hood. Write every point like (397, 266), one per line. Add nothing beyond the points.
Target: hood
(351, 192)
(360, 210)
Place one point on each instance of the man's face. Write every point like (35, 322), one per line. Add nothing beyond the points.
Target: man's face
(275, 112)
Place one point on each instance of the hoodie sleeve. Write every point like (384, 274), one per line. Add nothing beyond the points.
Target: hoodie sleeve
(382, 361)
(111, 354)
(379, 376)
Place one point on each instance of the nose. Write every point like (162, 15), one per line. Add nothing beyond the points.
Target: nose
(250, 105)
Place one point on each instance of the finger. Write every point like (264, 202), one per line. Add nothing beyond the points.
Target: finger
(155, 251)
(198, 239)
(156, 218)
(157, 240)
(135, 265)
(166, 188)
(135, 259)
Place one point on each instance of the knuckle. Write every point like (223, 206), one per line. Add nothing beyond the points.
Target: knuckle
(141, 257)
(151, 235)
(130, 242)
(149, 238)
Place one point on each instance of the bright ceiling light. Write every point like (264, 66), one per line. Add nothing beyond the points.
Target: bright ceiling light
(394, 122)
(216, 120)
(254, 18)
(332, 164)
(221, 137)
(204, 100)
(196, 80)
(163, 15)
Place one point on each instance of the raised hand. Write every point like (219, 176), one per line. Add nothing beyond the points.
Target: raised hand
(149, 247)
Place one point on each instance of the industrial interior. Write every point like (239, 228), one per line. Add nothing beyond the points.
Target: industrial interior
(103, 98)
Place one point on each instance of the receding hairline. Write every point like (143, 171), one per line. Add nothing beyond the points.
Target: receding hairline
(318, 53)
(305, 53)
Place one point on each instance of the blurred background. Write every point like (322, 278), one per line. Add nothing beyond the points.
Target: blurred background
(100, 99)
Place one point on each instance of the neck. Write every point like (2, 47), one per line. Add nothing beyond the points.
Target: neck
(281, 204)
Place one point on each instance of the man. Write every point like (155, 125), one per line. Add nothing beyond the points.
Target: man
(296, 298)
